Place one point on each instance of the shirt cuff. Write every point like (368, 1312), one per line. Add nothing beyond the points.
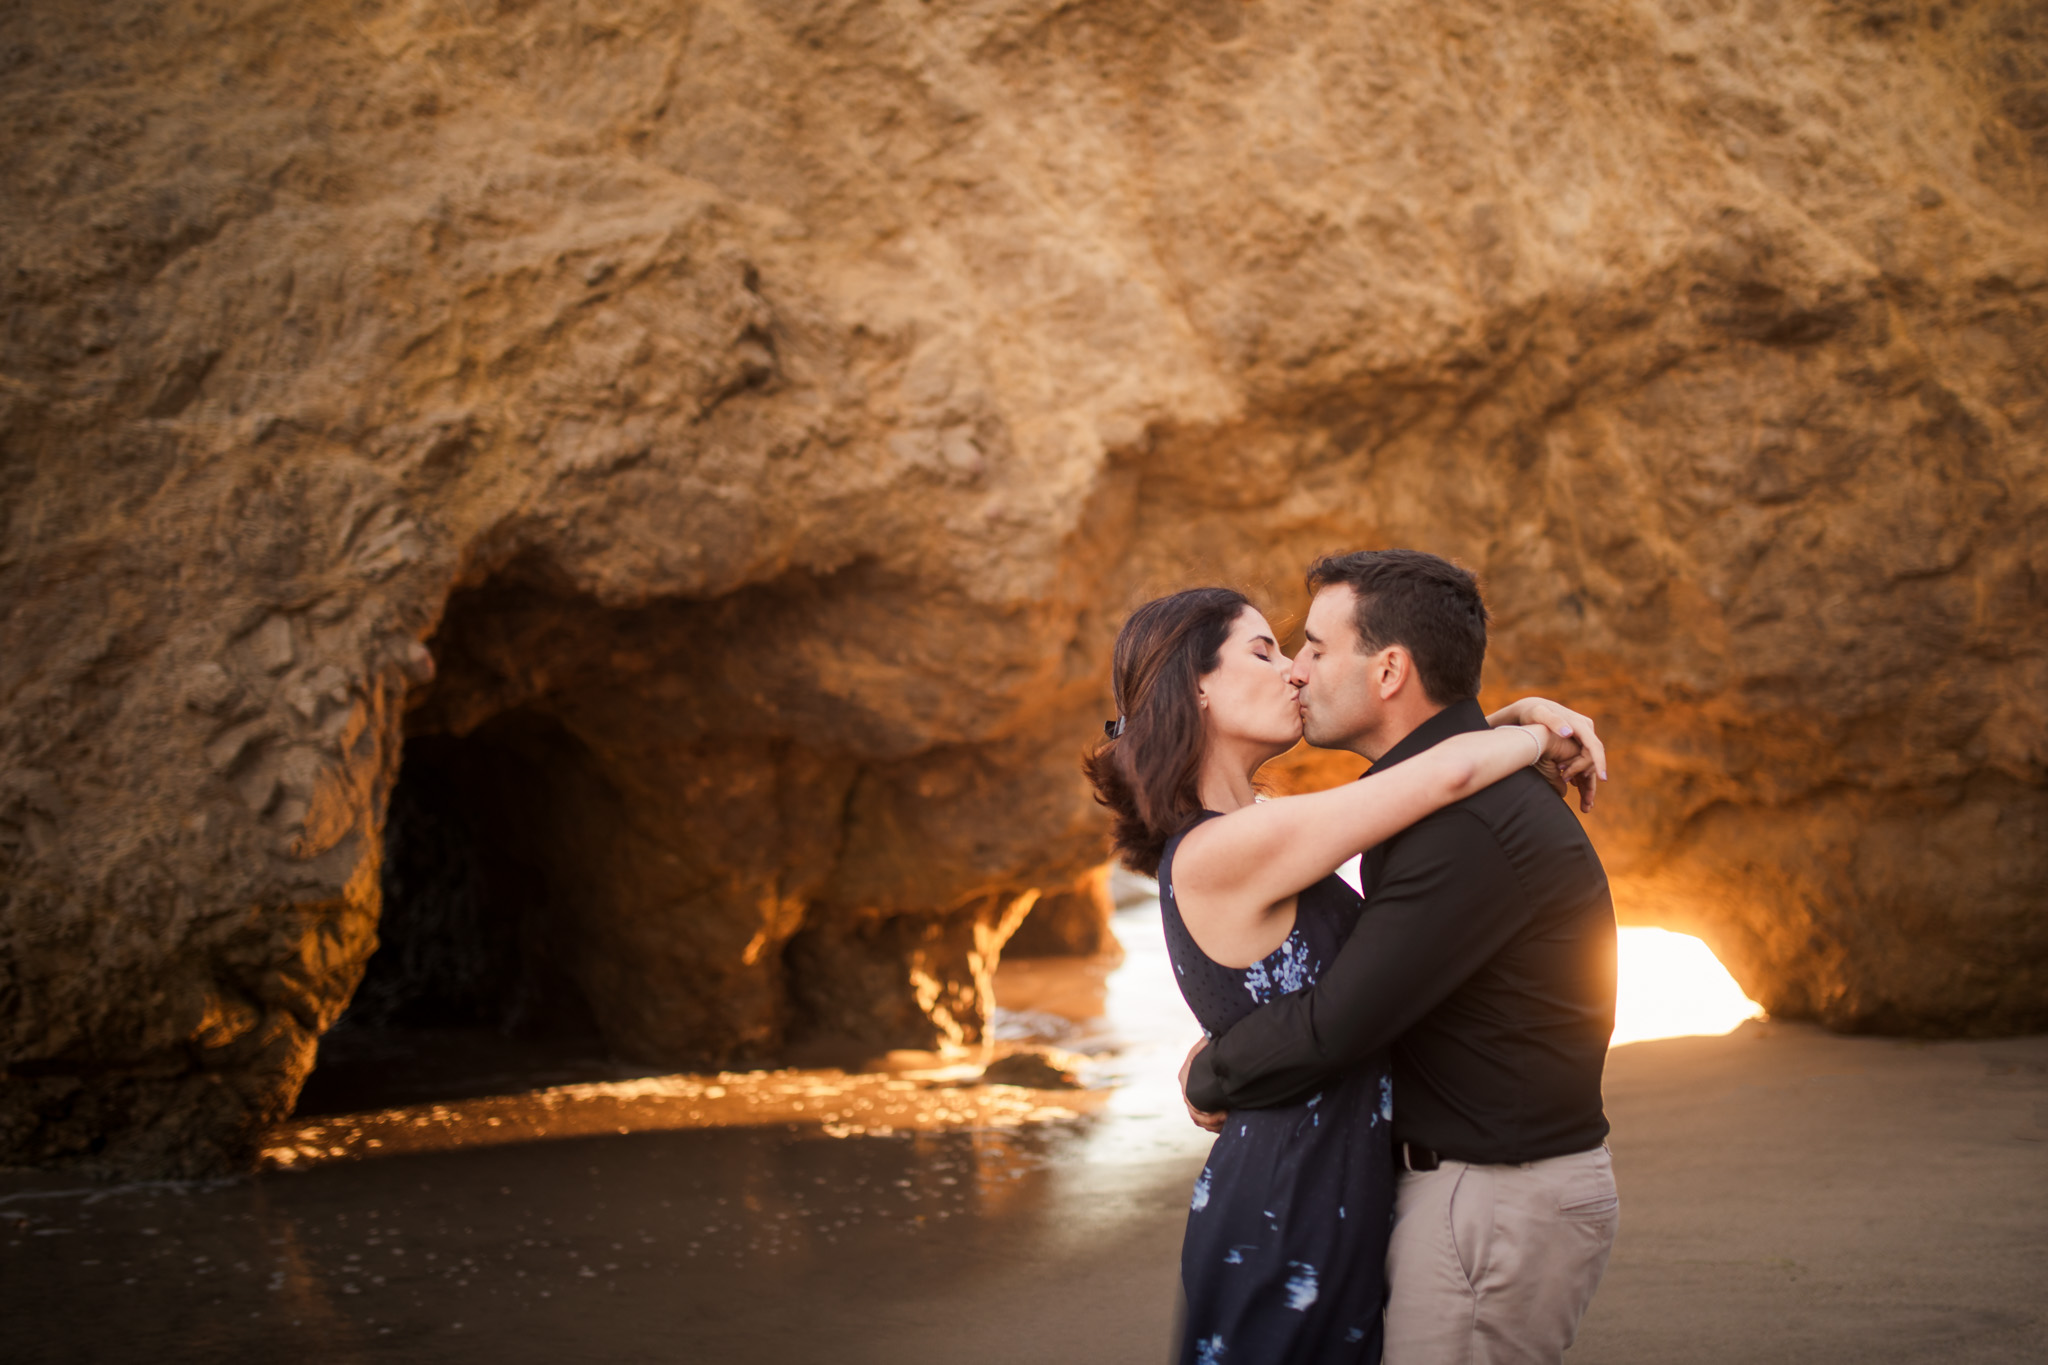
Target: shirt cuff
(1205, 1091)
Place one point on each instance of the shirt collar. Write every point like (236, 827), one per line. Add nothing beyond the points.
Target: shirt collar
(1460, 717)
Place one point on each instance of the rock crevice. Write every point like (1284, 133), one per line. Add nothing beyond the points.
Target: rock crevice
(745, 427)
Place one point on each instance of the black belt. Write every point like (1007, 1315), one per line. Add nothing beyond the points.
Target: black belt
(1413, 1156)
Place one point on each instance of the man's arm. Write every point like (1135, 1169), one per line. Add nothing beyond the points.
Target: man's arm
(1447, 901)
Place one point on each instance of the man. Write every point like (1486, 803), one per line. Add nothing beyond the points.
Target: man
(1484, 958)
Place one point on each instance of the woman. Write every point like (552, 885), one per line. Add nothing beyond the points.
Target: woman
(1287, 1233)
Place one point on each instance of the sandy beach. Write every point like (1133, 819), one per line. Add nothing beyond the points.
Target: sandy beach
(1789, 1195)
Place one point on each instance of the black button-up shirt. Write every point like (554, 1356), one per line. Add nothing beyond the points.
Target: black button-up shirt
(1484, 957)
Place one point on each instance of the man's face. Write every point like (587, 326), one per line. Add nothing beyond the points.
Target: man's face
(1340, 693)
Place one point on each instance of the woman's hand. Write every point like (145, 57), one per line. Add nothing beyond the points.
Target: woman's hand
(1581, 763)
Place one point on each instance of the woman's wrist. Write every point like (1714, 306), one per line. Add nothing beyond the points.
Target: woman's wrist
(1540, 737)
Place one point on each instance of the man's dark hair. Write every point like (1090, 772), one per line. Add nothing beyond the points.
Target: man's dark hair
(1426, 604)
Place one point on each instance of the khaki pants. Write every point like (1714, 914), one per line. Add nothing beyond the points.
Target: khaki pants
(1496, 1264)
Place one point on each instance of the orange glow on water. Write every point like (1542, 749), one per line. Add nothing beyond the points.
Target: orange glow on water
(1120, 1019)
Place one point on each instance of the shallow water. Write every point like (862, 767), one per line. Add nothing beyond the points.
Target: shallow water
(792, 1215)
(618, 1248)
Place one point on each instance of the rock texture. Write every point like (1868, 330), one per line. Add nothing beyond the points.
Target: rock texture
(1070, 921)
(737, 429)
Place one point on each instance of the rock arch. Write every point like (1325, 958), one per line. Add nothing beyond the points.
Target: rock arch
(897, 359)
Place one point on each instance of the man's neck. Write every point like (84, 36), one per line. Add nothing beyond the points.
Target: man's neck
(1456, 718)
(1395, 725)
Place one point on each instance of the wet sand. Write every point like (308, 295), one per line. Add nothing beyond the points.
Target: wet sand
(1788, 1196)
(734, 1245)
(1792, 1195)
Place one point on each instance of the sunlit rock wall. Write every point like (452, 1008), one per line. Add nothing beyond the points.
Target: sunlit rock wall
(777, 405)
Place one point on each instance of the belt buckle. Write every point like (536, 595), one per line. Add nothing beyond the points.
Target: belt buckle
(1415, 1157)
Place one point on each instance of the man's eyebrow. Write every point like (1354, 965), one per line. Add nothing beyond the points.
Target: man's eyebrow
(1310, 636)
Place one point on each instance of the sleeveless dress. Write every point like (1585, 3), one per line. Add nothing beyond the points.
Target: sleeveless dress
(1285, 1254)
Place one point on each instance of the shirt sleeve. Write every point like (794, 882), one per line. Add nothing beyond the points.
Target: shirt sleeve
(1446, 901)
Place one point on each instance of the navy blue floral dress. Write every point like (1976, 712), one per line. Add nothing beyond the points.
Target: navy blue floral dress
(1285, 1255)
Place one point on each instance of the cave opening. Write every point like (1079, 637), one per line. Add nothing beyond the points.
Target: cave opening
(466, 993)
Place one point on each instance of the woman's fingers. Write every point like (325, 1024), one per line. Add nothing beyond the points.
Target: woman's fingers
(1581, 758)
(1565, 721)
(1543, 711)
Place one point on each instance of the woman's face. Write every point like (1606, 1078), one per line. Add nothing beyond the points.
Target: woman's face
(1247, 697)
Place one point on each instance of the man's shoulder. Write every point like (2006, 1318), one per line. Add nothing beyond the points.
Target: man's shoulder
(1535, 828)
(1512, 811)
(1520, 793)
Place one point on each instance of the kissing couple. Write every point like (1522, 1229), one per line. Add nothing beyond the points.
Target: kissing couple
(1404, 1078)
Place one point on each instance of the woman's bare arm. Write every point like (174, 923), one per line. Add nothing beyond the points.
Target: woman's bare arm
(1233, 872)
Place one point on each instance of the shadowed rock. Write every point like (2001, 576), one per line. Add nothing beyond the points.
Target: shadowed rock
(728, 436)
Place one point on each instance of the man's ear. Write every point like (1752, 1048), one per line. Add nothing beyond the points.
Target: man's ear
(1396, 669)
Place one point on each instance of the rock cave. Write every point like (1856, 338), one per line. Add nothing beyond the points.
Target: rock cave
(610, 827)
(696, 458)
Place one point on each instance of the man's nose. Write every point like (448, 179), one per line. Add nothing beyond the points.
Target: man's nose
(1297, 672)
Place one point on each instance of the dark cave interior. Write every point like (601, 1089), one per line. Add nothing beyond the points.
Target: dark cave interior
(466, 991)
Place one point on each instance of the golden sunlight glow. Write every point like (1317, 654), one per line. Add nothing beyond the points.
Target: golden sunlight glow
(1672, 985)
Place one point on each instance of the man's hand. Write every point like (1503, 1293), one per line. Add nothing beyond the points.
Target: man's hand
(1211, 1122)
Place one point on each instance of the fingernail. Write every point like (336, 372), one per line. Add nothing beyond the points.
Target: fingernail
(1566, 730)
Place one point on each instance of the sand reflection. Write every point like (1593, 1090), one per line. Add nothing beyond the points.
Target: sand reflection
(834, 1103)
(1118, 1020)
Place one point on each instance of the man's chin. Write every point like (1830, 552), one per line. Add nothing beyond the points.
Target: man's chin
(1318, 738)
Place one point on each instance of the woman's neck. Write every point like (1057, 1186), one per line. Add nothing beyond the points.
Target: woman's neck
(1226, 781)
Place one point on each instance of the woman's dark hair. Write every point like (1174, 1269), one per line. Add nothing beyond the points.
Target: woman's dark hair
(1148, 774)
